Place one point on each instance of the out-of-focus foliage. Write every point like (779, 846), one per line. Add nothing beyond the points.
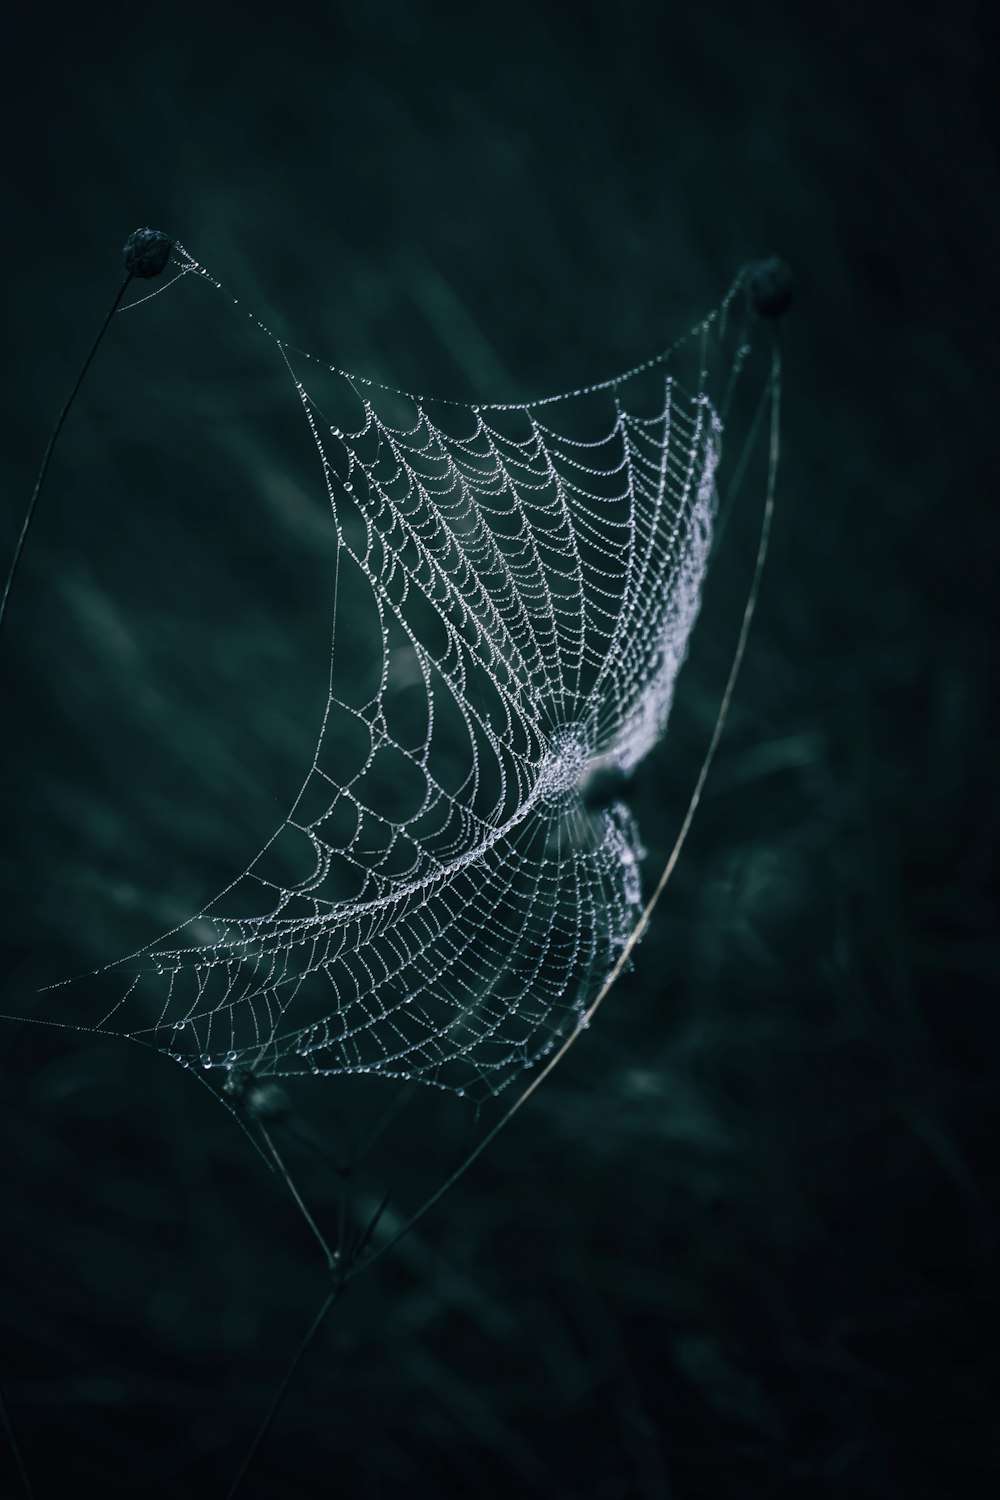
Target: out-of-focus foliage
(743, 1242)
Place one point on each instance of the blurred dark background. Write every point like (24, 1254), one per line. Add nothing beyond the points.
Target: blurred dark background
(743, 1242)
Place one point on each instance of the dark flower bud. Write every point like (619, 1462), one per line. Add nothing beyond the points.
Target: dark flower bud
(146, 252)
(769, 287)
(270, 1103)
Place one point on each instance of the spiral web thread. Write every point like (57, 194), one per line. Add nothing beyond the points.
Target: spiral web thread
(515, 588)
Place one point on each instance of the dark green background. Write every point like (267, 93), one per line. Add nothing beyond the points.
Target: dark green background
(744, 1242)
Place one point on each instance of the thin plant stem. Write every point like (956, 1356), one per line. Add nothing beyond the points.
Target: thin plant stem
(15, 1447)
(728, 504)
(338, 1265)
(279, 1395)
(36, 492)
(334, 1261)
(332, 1258)
(642, 924)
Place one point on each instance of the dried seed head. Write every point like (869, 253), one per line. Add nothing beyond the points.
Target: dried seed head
(146, 252)
(769, 287)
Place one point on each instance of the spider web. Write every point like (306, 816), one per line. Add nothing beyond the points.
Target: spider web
(515, 589)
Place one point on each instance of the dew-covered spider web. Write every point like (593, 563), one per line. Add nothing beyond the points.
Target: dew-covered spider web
(515, 585)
